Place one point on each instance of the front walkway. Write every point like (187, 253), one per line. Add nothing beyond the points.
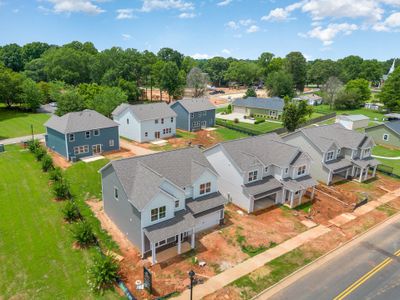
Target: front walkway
(21, 139)
(219, 281)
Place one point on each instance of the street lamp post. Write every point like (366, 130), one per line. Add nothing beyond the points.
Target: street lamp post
(191, 276)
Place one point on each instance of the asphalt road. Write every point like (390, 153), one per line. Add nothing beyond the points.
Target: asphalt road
(369, 269)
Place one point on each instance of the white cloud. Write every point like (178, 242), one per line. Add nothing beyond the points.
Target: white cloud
(150, 5)
(186, 15)
(276, 15)
(74, 6)
(226, 51)
(238, 36)
(124, 13)
(200, 56)
(126, 36)
(224, 2)
(246, 22)
(391, 23)
(252, 29)
(232, 25)
(327, 34)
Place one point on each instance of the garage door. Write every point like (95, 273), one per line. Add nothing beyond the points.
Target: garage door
(207, 221)
(239, 109)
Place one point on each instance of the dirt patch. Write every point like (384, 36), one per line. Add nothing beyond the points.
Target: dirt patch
(121, 153)
(58, 160)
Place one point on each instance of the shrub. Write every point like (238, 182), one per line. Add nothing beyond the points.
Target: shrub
(259, 120)
(236, 120)
(61, 189)
(33, 145)
(229, 109)
(39, 153)
(56, 174)
(83, 234)
(103, 273)
(71, 212)
(47, 163)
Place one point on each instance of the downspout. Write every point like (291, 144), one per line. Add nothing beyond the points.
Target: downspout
(66, 146)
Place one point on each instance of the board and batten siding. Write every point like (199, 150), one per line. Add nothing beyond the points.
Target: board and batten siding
(230, 180)
(121, 211)
(377, 132)
(56, 141)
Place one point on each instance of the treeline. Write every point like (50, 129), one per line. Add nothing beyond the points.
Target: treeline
(77, 75)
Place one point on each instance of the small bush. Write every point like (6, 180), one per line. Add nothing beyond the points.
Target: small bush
(56, 174)
(47, 163)
(61, 189)
(39, 153)
(33, 145)
(71, 212)
(259, 120)
(103, 273)
(236, 120)
(83, 234)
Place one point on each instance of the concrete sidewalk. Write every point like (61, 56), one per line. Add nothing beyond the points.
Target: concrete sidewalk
(219, 281)
(21, 139)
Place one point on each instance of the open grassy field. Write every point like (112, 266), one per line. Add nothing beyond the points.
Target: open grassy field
(384, 151)
(372, 114)
(14, 123)
(37, 260)
(226, 134)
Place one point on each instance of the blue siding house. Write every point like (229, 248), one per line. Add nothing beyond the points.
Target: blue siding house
(194, 114)
(79, 134)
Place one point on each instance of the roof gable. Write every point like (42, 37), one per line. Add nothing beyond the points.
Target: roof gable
(195, 104)
(274, 103)
(144, 112)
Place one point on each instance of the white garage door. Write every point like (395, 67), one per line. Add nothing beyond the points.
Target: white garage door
(207, 221)
(239, 109)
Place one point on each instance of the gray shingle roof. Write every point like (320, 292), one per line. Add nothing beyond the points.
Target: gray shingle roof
(149, 111)
(274, 103)
(267, 149)
(258, 187)
(141, 176)
(304, 182)
(324, 136)
(394, 125)
(338, 164)
(79, 121)
(205, 203)
(196, 104)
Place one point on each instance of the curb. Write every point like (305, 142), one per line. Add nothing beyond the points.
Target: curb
(324, 255)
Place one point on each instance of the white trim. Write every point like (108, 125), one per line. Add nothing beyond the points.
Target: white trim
(387, 137)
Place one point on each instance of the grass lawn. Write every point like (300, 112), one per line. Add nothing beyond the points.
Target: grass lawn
(324, 109)
(226, 134)
(37, 260)
(14, 123)
(391, 163)
(261, 127)
(384, 151)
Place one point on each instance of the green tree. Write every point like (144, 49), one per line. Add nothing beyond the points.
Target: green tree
(103, 273)
(171, 80)
(250, 93)
(350, 68)
(243, 72)
(68, 101)
(10, 86)
(107, 100)
(296, 65)
(371, 70)
(319, 71)
(130, 89)
(33, 51)
(215, 67)
(35, 69)
(330, 90)
(280, 84)
(171, 55)
(31, 95)
(390, 94)
(11, 56)
(360, 87)
(347, 99)
(295, 113)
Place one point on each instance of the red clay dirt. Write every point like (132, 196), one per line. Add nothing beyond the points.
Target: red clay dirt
(58, 160)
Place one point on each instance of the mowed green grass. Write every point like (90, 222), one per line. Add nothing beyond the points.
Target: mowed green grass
(226, 134)
(384, 151)
(372, 114)
(37, 260)
(15, 123)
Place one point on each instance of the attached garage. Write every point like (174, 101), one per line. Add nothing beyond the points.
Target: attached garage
(239, 109)
(209, 220)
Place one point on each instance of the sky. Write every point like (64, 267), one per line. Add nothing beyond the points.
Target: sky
(206, 28)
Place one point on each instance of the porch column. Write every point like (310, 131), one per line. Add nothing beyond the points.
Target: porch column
(313, 192)
(301, 195)
(179, 243)
(361, 174)
(347, 173)
(193, 241)
(366, 173)
(374, 172)
(153, 254)
(291, 198)
(283, 196)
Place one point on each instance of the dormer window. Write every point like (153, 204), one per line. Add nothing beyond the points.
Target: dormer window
(253, 175)
(205, 188)
(266, 170)
(338, 152)
(367, 152)
(301, 170)
(330, 155)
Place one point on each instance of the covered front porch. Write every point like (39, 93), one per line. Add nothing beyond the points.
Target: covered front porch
(298, 191)
(364, 169)
(263, 193)
(163, 239)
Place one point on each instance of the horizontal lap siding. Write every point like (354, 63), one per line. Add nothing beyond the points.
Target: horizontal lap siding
(56, 141)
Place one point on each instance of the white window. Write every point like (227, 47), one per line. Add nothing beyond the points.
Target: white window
(196, 124)
(385, 137)
(146, 134)
(367, 152)
(127, 121)
(111, 143)
(253, 175)
(205, 188)
(71, 137)
(158, 213)
(301, 170)
(81, 149)
(87, 134)
(330, 155)
(96, 132)
(176, 203)
(115, 193)
(172, 120)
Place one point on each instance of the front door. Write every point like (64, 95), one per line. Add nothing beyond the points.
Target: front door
(203, 124)
(96, 149)
(157, 134)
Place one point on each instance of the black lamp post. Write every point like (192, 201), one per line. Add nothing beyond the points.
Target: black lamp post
(191, 276)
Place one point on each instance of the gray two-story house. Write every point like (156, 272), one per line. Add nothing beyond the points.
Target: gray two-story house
(338, 153)
(194, 114)
(259, 172)
(162, 200)
(79, 134)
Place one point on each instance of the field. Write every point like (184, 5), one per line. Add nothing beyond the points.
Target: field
(37, 260)
(324, 109)
(14, 123)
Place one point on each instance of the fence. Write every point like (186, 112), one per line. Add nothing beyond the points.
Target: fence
(282, 130)
(388, 170)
